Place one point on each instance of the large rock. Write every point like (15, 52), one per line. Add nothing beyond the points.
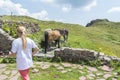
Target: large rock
(76, 55)
(5, 41)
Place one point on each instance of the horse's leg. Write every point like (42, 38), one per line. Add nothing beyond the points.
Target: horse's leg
(48, 46)
(58, 41)
(67, 35)
(46, 41)
(64, 38)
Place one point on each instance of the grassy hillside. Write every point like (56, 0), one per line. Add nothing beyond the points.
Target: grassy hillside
(103, 36)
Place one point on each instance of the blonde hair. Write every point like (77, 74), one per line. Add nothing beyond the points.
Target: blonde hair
(22, 31)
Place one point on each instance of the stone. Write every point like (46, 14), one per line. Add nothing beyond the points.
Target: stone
(7, 72)
(64, 71)
(39, 63)
(35, 70)
(90, 78)
(45, 65)
(107, 76)
(81, 72)
(74, 66)
(90, 75)
(100, 79)
(66, 64)
(93, 69)
(99, 73)
(3, 77)
(2, 70)
(13, 73)
(77, 55)
(2, 65)
(15, 77)
(56, 65)
(82, 78)
(80, 67)
(107, 58)
(115, 73)
(114, 79)
(74, 55)
(60, 68)
(106, 68)
(5, 37)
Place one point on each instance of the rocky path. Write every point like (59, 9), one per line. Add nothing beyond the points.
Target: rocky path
(9, 72)
(49, 54)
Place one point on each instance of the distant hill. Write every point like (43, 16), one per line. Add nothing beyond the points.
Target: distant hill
(102, 22)
(100, 35)
(97, 21)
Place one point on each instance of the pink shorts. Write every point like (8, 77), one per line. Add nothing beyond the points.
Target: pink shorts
(24, 74)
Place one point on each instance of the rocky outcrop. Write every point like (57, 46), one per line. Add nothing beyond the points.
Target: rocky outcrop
(5, 41)
(31, 27)
(76, 55)
(96, 21)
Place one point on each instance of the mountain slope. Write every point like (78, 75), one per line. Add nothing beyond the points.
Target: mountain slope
(103, 36)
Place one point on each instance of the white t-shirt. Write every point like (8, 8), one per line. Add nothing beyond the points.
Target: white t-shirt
(23, 57)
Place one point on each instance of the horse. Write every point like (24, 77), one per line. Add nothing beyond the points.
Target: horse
(49, 37)
(64, 33)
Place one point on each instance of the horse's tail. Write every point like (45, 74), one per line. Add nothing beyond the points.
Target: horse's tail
(46, 40)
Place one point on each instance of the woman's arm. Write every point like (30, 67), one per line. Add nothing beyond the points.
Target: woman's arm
(11, 54)
(35, 50)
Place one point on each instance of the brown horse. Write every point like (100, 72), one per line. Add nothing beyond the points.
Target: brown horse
(49, 37)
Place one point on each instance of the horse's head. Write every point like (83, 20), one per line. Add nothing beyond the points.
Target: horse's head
(66, 34)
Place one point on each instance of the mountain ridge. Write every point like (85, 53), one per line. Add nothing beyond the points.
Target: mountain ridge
(102, 22)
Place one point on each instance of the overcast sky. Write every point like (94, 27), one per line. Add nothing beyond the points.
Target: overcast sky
(67, 11)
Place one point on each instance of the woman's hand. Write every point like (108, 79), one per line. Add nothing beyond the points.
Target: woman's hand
(11, 54)
(35, 50)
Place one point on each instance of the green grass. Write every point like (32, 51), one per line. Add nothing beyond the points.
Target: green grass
(54, 74)
(102, 36)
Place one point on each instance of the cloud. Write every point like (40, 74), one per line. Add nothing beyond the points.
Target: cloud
(114, 9)
(66, 8)
(74, 4)
(47, 1)
(89, 6)
(7, 6)
(42, 15)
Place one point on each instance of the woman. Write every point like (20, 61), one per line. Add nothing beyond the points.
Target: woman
(22, 48)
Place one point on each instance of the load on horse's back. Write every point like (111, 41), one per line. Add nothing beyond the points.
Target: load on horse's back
(53, 35)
